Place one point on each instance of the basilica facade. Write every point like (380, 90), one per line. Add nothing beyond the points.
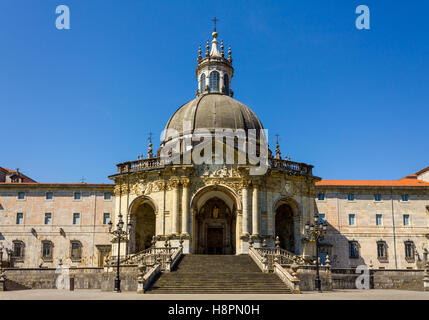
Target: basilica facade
(215, 196)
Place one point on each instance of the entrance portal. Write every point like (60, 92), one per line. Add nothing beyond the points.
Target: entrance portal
(143, 219)
(285, 227)
(215, 228)
(215, 240)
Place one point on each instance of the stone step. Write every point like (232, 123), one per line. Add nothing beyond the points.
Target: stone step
(218, 274)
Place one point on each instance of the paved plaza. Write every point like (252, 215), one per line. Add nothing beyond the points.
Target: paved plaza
(52, 294)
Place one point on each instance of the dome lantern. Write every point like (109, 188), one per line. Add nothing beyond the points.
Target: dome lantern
(214, 72)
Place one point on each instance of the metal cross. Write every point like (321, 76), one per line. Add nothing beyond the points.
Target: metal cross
(215, 20)
(277, 138)
(150, 136)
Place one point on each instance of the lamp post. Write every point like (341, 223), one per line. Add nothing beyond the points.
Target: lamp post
(316, 231)
(119, 234)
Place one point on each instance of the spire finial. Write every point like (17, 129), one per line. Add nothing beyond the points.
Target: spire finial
(199, 53)
(278, 153)
(149, 150)
(221, 49)
(207, 48)
(229, 54)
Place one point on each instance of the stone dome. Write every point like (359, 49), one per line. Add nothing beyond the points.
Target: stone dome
(213, 111)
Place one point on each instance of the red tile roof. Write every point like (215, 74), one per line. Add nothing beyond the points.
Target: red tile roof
(405, 182)
(26, 179)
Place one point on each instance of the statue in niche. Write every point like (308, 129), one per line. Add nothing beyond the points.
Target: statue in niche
(215, 212)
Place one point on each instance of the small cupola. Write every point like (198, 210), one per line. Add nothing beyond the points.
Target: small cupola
(214, 71)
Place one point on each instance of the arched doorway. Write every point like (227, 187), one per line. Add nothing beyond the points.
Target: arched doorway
(143, 220)
(214, 220)
(284, 224)
(215, 228)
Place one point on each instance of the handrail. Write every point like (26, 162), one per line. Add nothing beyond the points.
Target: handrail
(175, 258)
(282, 256)
(290, 280)
(259, 259)
(153, 255)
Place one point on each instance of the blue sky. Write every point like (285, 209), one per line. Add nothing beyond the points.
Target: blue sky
(76, 102)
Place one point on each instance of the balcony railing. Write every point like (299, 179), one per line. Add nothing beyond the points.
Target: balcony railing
(292, 167)
(139, 165)
(152, 163)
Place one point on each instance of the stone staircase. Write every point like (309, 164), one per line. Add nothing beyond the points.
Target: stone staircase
(218, 274)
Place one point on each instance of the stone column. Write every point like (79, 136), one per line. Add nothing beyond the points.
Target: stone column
(255, 209)
(185, 207)
(245, 211)
(175, 209)
(270, 216)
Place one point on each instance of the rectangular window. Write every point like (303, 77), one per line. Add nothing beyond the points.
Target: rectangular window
(18, 249)
(406, 218)
(19, 218)
(49, 195)
(322, 217)
(353, 250)
(76, 251)
(350, 197)
(107, 196)
(377, 197)
(352, 219)
(77, 195)
(379, 220)
(409, 250)
(21, 195)
(47, 250)
(106, 218)
(48, 218)
(404, 197)
(321, 196)
(381, 250)
(76, 218)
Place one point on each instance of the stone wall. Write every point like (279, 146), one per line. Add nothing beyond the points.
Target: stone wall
(398, 279)
(45, 278)
(307, 277)
(380, 279)
(128, 276)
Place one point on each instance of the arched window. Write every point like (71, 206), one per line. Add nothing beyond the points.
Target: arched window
(214, 81)
(226, 83)
(202, 83)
